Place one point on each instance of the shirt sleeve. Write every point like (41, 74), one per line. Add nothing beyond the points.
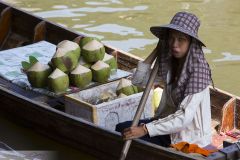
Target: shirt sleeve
(141, 75)
(179, 120)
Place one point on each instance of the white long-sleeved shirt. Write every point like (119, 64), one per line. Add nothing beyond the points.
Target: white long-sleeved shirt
(191, 122)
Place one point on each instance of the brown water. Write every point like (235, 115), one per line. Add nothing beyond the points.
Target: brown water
(125, 24)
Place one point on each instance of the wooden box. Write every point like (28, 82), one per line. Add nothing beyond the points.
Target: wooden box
(106, 114)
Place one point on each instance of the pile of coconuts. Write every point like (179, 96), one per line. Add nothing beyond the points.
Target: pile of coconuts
(73, 64)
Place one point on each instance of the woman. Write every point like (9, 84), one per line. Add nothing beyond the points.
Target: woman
(184, 112)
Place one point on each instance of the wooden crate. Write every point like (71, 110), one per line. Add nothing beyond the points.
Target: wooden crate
(106, 114)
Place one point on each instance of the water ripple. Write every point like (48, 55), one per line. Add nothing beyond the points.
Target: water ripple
(81, 25)
(131, 44)
(206, 50)
(114, 28)
(91, 34)
(58, 13)
(32, 9)
(228, 57)
(70, 12)
(60, 7)
(97, 3)
(114, 1)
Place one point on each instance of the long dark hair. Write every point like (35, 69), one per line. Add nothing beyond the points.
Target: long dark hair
(176, 66)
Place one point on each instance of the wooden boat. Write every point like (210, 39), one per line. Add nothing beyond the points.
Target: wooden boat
(45, 114)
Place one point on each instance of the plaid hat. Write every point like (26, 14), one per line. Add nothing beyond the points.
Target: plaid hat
(184, 22)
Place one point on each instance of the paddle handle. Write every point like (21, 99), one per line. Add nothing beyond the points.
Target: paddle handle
(141, 107)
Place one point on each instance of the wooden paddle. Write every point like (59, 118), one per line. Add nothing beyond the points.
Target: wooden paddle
(141, 106)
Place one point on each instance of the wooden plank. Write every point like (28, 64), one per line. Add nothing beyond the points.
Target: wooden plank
(5, 23)
(56, 33)
(22, 29)
(39, 32)
(228, 118)
(218, 99)
(125, 60)
(237, 113)
(3, 6)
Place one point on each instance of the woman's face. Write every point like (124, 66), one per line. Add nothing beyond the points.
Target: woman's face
(178, 43)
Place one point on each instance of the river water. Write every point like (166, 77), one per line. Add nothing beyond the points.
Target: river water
(125, 24)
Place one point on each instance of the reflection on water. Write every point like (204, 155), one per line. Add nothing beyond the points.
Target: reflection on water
(59, 13)
(32, 9)
(71, 12)
(81, 26)
(75, 19)
(91, 35)
(131, 44)
(97, 3)
(206, 50)
(228, 57)
(114, 1)
(115, 28)
(60, 7)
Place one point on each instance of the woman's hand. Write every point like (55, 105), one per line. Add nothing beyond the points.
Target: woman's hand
(134, 132)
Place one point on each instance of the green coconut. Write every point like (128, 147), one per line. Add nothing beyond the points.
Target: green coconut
(66, 56)
(85, 40)
(111, 61)
(101, 71)
(126, 87)
(92, 49)
(80, 76)
(58, 81)
(37, 75)
(84, 63)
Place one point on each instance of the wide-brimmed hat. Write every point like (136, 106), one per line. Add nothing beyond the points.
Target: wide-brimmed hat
(185, 22)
